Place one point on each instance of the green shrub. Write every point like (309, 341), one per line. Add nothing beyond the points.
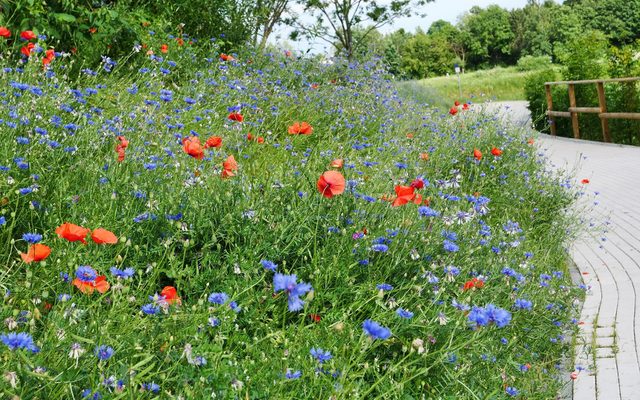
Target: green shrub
(535, 94)
(533, 63)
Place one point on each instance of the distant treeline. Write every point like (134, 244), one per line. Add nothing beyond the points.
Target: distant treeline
(487, 37)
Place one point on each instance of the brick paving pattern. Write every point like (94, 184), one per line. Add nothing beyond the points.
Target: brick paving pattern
(608, 345)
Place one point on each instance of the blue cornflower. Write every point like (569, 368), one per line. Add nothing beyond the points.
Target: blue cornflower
(104, 352)
(22, 140)
(150, 309)
(449, 235)
(32, 238)
(382, 248)
(292, 374)
(479, 316)
(174, 217)
(235, 307)
(511, 391)
(384, 286)
(374, 330)
(213, 322)
(293, 289)
(270, 265)
(320, 355)
(3, 220)
(218, 298)
(404, 313)
(450, 246)
(523, 304)
(21, 340)
(86, 274)
(425, 211)
(500, 316)
(123, 274)
(151, 386)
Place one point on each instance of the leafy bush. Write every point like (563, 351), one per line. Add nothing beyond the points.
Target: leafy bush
(536, 96)
(533, 63)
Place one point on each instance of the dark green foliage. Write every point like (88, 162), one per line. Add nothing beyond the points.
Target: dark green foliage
(534, 90)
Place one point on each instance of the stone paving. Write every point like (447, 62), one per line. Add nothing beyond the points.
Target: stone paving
(608, 345)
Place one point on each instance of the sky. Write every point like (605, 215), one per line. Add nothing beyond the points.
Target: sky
(449, 10)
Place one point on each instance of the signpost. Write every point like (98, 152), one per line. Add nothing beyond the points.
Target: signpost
(456, 67)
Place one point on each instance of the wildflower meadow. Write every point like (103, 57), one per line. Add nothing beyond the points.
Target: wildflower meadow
(187, 224)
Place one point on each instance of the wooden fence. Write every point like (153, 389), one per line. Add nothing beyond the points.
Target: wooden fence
(574, 110)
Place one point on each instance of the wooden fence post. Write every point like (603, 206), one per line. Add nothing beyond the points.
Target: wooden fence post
(602, 101)
(547, 89)
(574, 114)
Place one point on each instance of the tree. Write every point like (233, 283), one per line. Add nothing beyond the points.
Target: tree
(489, 35)
(335, 20)
(268, 14)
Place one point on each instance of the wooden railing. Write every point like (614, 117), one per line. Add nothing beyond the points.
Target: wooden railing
(574, 110)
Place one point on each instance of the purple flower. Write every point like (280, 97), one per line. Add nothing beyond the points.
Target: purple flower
(21, 340)
(270, 265)
(375, 331)
(523, 304)
(404, 313)
(293, 289)
(86, 274)
(218, 298)
(104, 352)
(292, 374)
(321, 355)
(32, 238)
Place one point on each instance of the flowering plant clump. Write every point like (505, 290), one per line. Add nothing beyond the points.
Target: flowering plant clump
(187, 222)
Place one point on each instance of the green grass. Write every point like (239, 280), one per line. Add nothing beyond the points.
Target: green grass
(479, 86)
(494, 234)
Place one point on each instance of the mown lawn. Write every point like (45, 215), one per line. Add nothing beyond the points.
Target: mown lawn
(193, 225)
(495, 84)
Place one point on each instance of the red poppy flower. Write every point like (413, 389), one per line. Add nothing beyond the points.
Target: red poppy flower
(180, 41)
(72, 232)
(337, 163)
(191, 145)
(93, 30)
(465, 106)
(331, 183)
(123, 143)
(424, 156)
(404, 194)
(226, 57)
(315, 317)
(4, 32)
(314, 86)
(260, 139)
(417, 183)
(300, 129)
(235, 116)
(473, 283)
(103, 236)
(530, 141)
(170, 295)
(164, 48)
(36, 252)
(409, 135)
(584, 181)
(26, 50)
(496, 152)
(453, 110)
(456, 103)
(213, 141)
(100, 284)
(28, 35)
(477, 154)
(229, 166)
(249, 136)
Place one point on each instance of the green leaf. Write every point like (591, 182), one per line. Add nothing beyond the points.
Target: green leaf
(64, 17)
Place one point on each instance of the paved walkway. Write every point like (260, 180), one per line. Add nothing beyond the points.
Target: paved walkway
(609, 340)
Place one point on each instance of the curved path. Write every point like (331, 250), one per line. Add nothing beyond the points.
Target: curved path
(608, 346)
